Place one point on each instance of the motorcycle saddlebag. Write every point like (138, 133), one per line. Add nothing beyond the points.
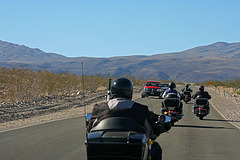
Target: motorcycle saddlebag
(201, 101)
(187, 93)
(171, 102)
(117, 138)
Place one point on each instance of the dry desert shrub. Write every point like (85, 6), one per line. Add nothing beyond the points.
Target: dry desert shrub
(24, 84)
(231, 86)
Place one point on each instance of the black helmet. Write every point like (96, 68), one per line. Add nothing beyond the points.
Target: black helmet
(122, 87)
(187, 85)
(172, 85)
(201, 88)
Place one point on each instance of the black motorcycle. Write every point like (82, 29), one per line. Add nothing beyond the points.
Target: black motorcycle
(171, 107)
(186, 95)
(120, 138)
(201, 107)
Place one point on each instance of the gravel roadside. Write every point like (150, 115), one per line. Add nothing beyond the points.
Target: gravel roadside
(75, 111)
(227, 104)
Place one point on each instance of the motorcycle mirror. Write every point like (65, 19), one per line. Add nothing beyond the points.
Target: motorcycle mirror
(161, 118)
(88, 116)
(164, 119)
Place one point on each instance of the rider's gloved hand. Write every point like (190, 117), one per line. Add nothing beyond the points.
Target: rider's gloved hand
(167, 126)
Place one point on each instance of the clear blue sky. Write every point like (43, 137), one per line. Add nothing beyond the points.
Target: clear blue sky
(106, 28)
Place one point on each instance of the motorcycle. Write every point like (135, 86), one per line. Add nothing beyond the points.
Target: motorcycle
(201, 107)
(171, 107)
(186, 96)
(120, 138)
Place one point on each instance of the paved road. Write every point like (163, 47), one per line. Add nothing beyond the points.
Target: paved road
(60, 140)
(212, 138)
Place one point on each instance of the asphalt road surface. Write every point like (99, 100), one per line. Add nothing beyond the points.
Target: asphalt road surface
(210, 139)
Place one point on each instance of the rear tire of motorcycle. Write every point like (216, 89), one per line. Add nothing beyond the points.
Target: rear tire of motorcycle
(172, 123)
(201, 117)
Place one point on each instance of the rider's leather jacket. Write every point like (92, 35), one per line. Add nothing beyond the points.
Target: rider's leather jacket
(121, 107)
(203, 94)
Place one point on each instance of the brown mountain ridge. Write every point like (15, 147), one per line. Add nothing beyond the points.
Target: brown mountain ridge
(217, 61)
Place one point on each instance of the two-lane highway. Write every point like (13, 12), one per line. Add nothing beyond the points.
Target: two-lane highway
(212, 138)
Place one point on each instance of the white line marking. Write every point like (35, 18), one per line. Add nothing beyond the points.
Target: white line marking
(224, 116)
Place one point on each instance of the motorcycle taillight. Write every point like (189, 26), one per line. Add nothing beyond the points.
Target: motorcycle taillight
(201, 108)
(171, 111)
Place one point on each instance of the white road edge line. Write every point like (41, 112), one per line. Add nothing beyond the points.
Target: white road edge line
(224, 116)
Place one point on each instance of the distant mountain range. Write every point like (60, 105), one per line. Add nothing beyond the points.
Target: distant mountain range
(217, 61)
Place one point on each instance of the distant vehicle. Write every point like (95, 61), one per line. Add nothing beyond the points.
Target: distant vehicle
(165, 86)
(152, 88)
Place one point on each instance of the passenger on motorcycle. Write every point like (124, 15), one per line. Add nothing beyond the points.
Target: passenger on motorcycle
(121, 105)
(172, 90)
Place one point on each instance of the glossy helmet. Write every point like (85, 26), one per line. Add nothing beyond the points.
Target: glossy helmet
(172, 85)
(201, 88)
(122, 87)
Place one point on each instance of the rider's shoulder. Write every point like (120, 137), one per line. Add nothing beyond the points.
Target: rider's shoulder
(139, 105)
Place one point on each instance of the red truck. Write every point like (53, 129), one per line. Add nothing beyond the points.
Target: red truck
(152, 88)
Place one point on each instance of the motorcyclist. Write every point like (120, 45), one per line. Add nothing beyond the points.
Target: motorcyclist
(202, 93)
(187, 88)
(172, 90)
(121, 105)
